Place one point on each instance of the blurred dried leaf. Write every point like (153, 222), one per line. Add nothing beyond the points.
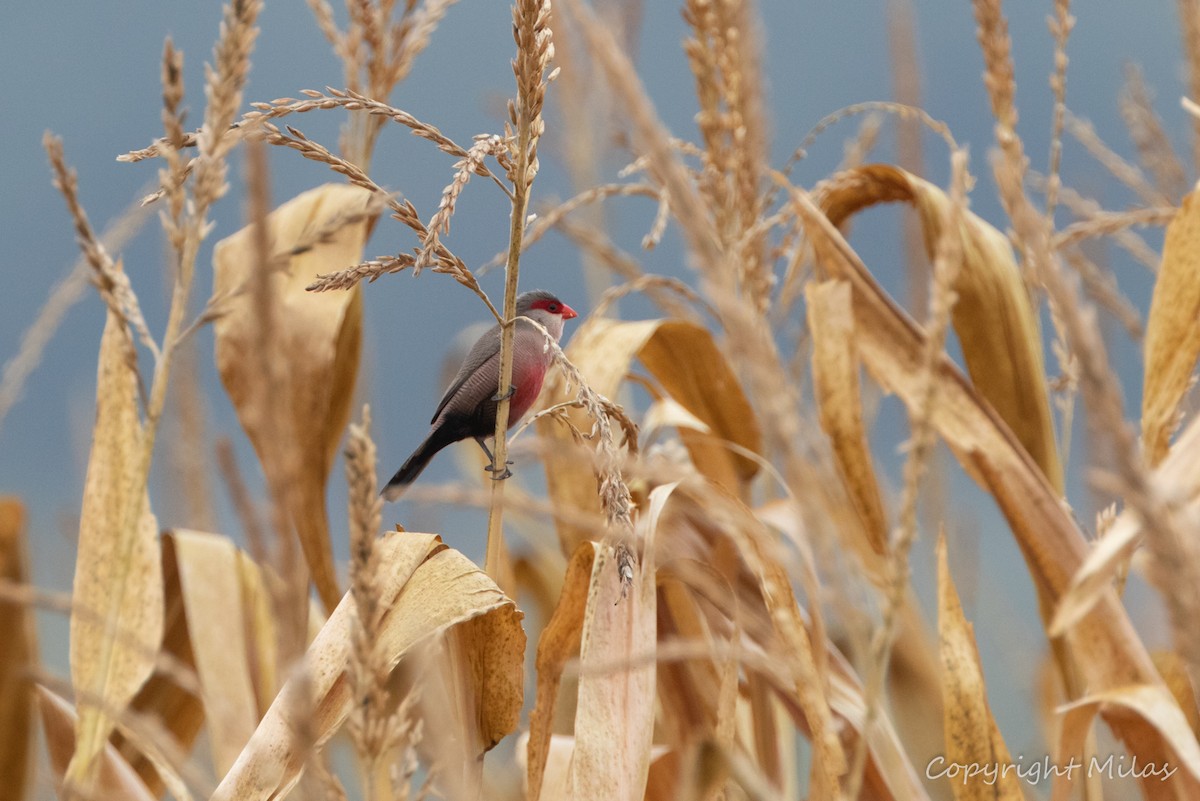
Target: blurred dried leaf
(115, 780)
(220, 616)
(117, 614)
(993, 318)
(614, 721)
(972, 737)
(686, 362)
(314, 347)
(1179, 475)
(18, 655)
(668, 413)
(1152, 703)
(1104, 643)
(426, 589)
(557, 644)
(1172, 331)
(835, 383)
(180, 711)
(709, 524)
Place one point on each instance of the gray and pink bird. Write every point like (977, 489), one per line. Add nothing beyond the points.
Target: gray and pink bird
(468, 409)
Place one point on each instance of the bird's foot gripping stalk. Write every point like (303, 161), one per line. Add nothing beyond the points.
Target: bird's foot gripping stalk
(512, 390)
(498, 473)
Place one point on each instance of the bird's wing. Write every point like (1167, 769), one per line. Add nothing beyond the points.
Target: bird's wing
(485, 348)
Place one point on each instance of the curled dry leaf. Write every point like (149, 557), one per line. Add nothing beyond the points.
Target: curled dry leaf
(117, 611)
(614, 719)
(313, 349)
(115, 780)
(18, 655)
(1172, 330)
(164, 696)
(1103, 641)
(221, 598)
(835, 382)
(1177, 474)
(972, 737)
(709, 525)
(425, 590)
(558, 644)
(1152, 704)
(993, 318)
(691, 370)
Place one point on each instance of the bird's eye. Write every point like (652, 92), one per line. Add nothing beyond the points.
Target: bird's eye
(553, 308)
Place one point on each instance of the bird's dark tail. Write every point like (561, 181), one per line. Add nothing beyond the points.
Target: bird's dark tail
(407, 474)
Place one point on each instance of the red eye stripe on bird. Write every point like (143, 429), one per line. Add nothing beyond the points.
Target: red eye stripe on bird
(468, 409)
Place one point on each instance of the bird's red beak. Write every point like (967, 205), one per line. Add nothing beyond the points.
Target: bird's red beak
(568, 312)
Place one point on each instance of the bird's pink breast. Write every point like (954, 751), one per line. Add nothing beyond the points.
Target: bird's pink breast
(528, 380)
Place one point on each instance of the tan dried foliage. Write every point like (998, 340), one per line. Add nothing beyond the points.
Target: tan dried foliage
(426, 590)
(972, 737)
(1179, 474)
(838, 395)
(689, 368)
(314, 350)
(220, 583)
(177, 703)
(558, 643)
(1172, 331)
(993, 317)
(1104, 644)
(18, 656)
(117, 615)
(614, 719)
(115, 779)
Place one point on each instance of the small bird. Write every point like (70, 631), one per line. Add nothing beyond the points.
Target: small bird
(468, 409)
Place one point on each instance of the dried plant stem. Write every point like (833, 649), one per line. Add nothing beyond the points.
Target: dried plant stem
(496, 560)
(946, 265)
(1060, 27)
(534, 50)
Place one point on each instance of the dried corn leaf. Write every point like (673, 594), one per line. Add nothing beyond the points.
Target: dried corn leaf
(219, 623)
(709, 506)
(426, 589)
(668, 413)
(1179, 475)
(691, 370)
(972, 737)
(993, 317)
(296, 418)
(614, 721)
(117, 614)
(1152, 703)
(1174, 672)
(557, 644)
(1103, 642)
(164, 695)
(1172, 330)
(18, 655)
(835, 382)
(115, 780)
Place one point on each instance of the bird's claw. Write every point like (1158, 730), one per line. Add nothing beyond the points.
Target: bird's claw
(491, 468)
(498, 476)
(512, 390)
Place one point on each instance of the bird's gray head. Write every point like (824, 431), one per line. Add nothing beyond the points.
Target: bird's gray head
(545, 308)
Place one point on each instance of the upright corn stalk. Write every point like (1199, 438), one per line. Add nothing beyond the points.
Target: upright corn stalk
(535, 48)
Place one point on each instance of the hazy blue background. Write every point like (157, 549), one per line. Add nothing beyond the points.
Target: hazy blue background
(90, 72)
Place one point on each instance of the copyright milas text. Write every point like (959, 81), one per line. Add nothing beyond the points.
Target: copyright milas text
(1112, 767)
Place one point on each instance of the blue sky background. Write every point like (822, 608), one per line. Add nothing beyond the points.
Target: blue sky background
(90, 73)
